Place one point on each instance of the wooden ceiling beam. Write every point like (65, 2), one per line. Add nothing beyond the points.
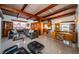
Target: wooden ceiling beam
(24, 6)
(22, 9)
(68, 14)
(45, 9)
(62, 14)
(14, 10)
(61, 10)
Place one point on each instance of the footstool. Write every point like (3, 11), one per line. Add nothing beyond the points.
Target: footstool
(35, 47)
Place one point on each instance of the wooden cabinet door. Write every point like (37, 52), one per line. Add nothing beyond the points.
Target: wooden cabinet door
(7, 26)
(36, 26)
(70, 37)
(57, 27)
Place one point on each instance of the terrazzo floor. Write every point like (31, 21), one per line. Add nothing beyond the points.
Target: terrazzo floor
(52, 46)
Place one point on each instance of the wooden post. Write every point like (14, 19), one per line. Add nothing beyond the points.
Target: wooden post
(41, 30)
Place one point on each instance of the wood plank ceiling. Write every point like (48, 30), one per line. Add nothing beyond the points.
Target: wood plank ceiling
(39, 11)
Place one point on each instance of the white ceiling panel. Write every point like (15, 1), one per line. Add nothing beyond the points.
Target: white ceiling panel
(56, 8)
(34, 8)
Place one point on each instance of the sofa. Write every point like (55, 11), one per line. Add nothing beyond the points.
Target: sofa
(15, 50)
(31, 35)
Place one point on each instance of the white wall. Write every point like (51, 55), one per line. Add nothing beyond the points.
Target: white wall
(10, 18)
(78, 24)
(1, 16)
(0, 34)
(68, 18)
